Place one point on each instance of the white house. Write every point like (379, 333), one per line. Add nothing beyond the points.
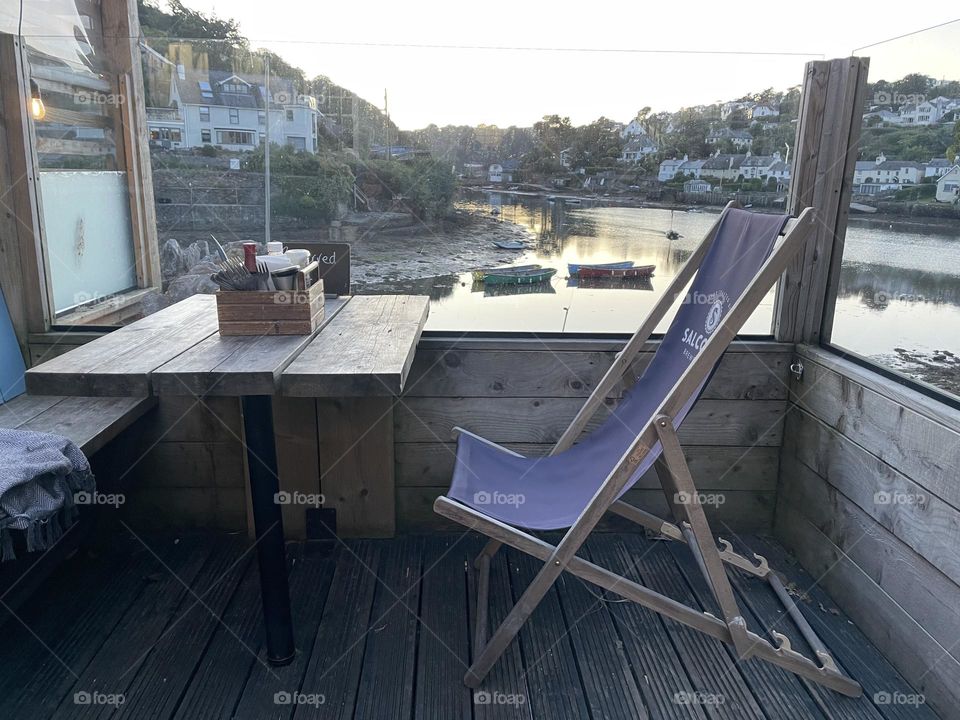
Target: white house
(692, 167)
(928, 112)
(764, 110)
(502, 172)
(740, 138)
(937, 167)
(948, 186)
(870, 178)
(670, 168)
(637, 148)
(632, 129)
(229, 110)
(757, 166)
(565, 157)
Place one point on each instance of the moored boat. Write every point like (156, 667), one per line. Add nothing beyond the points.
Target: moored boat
(574, 268)
(510, 244)
(638, 271)
(523, 277)
(479, 275)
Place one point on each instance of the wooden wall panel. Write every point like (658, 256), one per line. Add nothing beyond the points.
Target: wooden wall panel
(868, 501)
(524, 393)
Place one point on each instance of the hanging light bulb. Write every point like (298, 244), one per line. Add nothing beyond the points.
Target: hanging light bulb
(37, 108)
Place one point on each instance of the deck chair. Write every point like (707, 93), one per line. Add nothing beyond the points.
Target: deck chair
(503, 494)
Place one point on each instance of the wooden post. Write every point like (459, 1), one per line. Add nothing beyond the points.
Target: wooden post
(121, 35)
(827, 144)
(24, 273)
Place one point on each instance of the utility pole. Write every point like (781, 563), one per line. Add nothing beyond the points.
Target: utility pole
(356, 123)
(266, 150)
(386, 112)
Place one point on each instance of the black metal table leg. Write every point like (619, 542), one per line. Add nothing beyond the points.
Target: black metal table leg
(268, 523)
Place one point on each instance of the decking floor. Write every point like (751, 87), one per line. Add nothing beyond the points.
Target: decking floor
(171, 626)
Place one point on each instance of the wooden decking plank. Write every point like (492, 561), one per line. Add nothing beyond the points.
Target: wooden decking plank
(719, 682)
(861, 659)
(443, 652)
(507, 678)
(387, 680)
(609, 685)
(162, 678)
(366, 350)
(333, 673)
(553, 679)
(216, 684)
(660, 673)
(132, 639)
(71, 627)
(767, 608)
(779, 692)
(310, 579)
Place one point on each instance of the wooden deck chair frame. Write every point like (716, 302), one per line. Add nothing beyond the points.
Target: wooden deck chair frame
(690, 523)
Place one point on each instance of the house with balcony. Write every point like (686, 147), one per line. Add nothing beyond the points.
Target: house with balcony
(928, 112)
(227, 109)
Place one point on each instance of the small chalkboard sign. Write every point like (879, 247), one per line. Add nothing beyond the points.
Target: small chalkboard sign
(334, 259)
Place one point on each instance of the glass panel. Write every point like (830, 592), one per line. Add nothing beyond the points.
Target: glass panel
(423, 192)
(898, 302)
(78, 137)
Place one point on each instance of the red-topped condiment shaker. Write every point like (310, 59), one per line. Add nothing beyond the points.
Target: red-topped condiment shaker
(250, 257)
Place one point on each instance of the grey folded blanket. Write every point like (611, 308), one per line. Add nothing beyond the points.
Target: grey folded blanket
(39, 475)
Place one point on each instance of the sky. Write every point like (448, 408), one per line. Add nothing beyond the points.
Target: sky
(511, 62)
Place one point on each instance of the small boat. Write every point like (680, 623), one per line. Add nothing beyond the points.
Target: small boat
(479, 275)
(510, 244)
(523, 277)
(574, 268)
(638, 271)
(860, 207)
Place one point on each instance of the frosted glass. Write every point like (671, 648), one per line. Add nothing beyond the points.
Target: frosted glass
(86, 218)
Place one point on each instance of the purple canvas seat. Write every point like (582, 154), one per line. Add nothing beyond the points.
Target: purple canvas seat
(548, 493)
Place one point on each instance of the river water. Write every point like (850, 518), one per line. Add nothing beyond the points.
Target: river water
(899, 292)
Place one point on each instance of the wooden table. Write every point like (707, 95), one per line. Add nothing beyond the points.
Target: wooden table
(365, 346)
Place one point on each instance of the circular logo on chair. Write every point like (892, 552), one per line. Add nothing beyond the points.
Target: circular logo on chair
(714, 315)
(717, 302)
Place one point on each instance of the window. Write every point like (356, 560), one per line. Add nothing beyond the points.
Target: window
(235, 88)
(896, 302)
(205, 89)
(297, 142)
(234, 116)
(262, 117)
(234, 137)
(204, 113)
(205, 136)
(289, 115)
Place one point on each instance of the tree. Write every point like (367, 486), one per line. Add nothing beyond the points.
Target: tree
(597, 144)
(953, 151)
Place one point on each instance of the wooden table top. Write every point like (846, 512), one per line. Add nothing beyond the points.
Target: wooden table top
(179, 351)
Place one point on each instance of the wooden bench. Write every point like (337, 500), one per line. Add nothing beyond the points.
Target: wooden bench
(90, 423)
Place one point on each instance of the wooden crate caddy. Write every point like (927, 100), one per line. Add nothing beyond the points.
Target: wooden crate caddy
(280, 312)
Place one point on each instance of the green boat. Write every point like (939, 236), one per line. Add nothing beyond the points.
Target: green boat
(519, 277)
